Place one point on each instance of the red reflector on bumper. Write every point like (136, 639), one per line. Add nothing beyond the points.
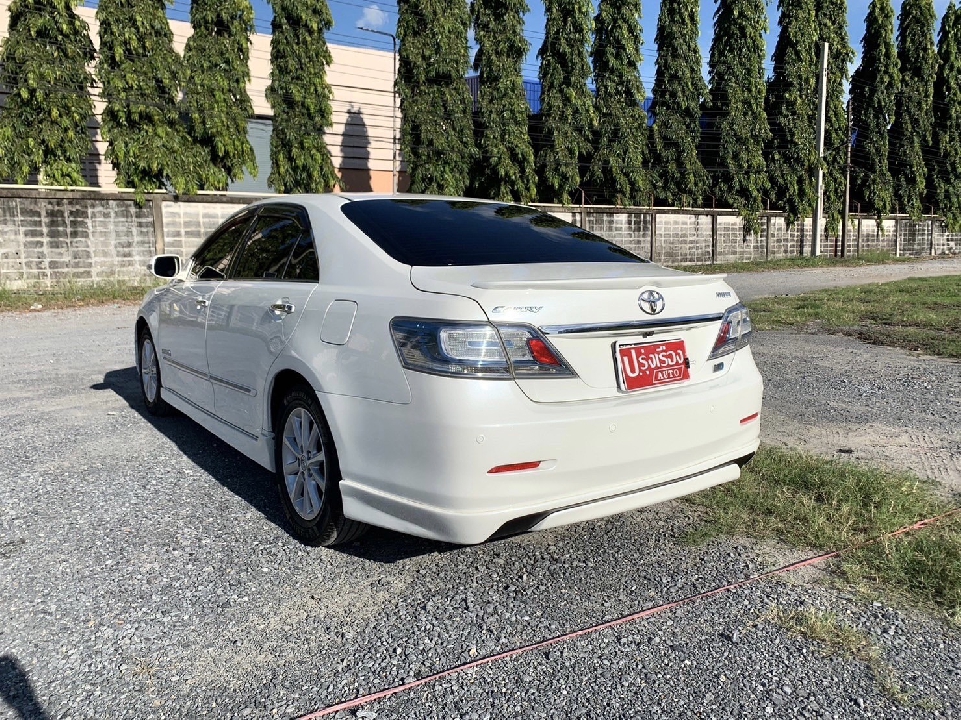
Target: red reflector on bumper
(515, 467)
(750, 418)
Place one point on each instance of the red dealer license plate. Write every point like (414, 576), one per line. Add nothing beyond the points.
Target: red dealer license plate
(645, 365)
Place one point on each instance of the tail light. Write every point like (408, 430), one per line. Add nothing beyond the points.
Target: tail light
(735, 332)
(480, 350)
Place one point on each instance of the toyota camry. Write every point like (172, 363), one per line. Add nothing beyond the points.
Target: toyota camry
(449, 368)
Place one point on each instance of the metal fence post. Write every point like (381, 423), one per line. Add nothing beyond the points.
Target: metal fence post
(713, 238)
(653, 234)
(160, 241)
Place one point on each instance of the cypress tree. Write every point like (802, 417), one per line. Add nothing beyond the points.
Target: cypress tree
(874, 86)
(299, 95)
(832, 18)
(792, 110)
(733, 144)
(436, 131)
(43, 65)
(216, 105)
(567, 106)
(621, 149)
(945, 164)
(910, 135)
(140, 74)
(506, 169)
(679, 88)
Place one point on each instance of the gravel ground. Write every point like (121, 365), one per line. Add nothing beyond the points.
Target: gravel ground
(145, 572)
(836, 396)
(752, 285)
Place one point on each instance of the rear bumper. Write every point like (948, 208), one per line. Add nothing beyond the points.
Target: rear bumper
(423, 468)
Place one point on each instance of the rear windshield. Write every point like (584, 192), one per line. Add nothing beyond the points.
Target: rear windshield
(461, 232)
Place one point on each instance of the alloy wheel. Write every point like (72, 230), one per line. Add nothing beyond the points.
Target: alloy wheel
(148, 370)
(304, 463)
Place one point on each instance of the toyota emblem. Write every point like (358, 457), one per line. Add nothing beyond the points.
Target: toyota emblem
(651, 302)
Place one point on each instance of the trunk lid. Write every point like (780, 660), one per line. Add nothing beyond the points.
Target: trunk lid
(587, 309)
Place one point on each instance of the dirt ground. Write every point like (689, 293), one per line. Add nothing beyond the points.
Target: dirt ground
(752, 285)
(838, 397)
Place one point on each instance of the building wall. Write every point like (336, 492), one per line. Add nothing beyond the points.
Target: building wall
(360, 139)
(48, 237)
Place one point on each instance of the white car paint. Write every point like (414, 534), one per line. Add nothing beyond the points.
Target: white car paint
(244, 337)
(415, 449)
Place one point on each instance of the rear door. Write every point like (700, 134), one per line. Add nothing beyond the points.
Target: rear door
(255, 311)
(183, 313)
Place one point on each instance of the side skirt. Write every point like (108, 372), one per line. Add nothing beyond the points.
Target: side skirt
(259, 449)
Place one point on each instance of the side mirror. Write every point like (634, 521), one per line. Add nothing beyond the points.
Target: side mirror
(165, 266)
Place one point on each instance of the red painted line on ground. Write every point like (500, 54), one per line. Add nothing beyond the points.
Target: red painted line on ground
(507, 654)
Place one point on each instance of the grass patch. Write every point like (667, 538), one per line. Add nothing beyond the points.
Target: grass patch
(812, 502)
(922, 314)
(838, 637)
(71, 295)
(871, 257)
(825, 628)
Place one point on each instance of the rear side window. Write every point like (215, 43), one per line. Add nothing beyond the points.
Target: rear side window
(269, 248)
(303, 261)
(213, 259)
(458, 232)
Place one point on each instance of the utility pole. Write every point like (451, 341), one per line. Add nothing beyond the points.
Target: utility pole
(847, 189)
(393, 109)
(822, 103)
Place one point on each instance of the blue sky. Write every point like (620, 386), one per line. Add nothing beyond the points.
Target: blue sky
(382, 15)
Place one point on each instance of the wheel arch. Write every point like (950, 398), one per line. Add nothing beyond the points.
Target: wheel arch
(138, 329)
(288, 371)
(280, 384)
(282, 381)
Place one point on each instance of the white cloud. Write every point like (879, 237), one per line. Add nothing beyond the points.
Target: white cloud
(372, 17)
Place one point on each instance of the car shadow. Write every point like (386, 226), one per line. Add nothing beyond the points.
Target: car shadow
(251, 482)
(17, 692)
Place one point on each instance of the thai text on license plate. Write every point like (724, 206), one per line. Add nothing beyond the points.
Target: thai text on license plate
(645, 365)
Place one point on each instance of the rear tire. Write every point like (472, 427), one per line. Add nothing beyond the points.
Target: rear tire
(149, 371)
(308, 474)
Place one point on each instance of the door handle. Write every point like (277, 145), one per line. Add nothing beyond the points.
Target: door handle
(282, 307)
(202, 303)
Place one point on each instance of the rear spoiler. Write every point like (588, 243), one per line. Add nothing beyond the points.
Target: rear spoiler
(599, 283)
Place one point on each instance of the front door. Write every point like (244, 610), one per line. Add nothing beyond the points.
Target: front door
(254, 313)
(184, 314)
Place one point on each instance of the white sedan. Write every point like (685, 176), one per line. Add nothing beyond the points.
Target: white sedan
(455, 369)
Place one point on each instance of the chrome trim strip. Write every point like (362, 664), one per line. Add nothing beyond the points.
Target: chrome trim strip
(212, 378)
(186, 368)
(209, 414)
(642, 490)
(233, 386)
(642, 325)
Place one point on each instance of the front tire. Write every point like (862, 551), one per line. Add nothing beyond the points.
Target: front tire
(308, 474)
(150, 380)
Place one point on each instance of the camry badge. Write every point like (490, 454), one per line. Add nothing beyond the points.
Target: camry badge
(518, 309)
(651, 302)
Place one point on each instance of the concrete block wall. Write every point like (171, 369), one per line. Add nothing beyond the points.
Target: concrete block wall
(780, 241)
(49, 237)
(914, 238)
(877, 236)
(682, 238)
(733, 245)
(799, 237)
(73, 239)
(630, 230)
(946, 243)
(185, 225)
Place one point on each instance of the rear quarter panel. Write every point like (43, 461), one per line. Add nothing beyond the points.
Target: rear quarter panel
(352, 268)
